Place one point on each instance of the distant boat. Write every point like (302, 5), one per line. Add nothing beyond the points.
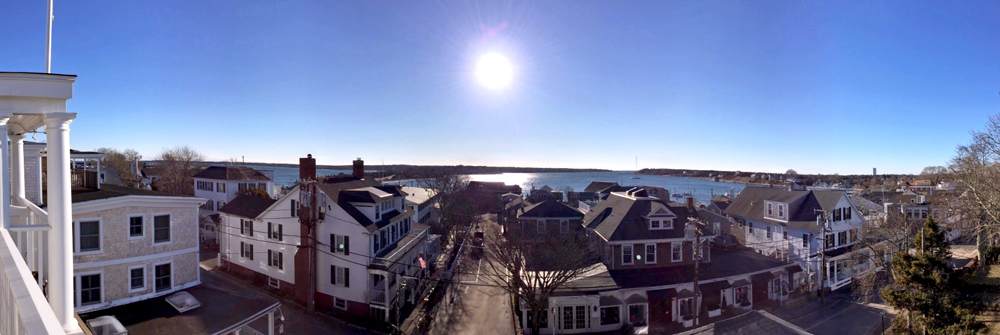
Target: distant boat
(636, 167)
(675, 195)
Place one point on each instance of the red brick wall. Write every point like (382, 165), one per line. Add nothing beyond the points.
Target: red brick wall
(324, 302)
(284, 289)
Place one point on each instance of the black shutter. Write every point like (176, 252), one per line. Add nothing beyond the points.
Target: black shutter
(242, 228)
(243, 249)
(347, 277)
(269, 230)
(347, 245)
(250, 232)
(281, 261)
(281, 233)
(293, 208)
(333, 275)
(251, 252)
(269, 258)
(333, 243)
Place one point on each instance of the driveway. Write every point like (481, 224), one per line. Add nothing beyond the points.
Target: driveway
(478, 308)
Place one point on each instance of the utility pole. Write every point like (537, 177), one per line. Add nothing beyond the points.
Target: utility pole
(307, 218)
(822, 263)
(697, 259)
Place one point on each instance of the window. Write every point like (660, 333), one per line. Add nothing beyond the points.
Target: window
(651, 253)
(675, 252)
(741, 295)
(90, 289)
(581, 317)
(568, 317)
(135, 226)
(161, 228)
(543, 318)
(610, 315)
(340, 276)
(564, 227)
(785, 234)
(88, 236)
(805, 240)
(769, 210)
(275, 259)
(637, 314)
(781, 210)
(164, 280)
(246, 250)
(842, 238)
(627, 254)
(829, 242)
(686, 306)
(654, 224)
(204, 185)
(768, 232)
(137, 278)
(375, 243)
(246, 227)
(339, 243)
(275, 232)
(220, 187)
(340, 303)
(847, 213)
(273, 282)
(385, 238)
(836, 214)
(222, 204)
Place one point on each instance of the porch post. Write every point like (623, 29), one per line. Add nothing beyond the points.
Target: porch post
(5, 174)
(60, 219)
(17, 164)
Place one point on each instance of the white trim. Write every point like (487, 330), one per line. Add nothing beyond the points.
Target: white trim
(80, 266)
(662, 240)
(674, 245)
(119, 302)
(144, 277)
(128, 226)
(137, 201)
(277, 282)
(170, 228)
(338, 307)
(76, 236)
(172, 272)
(77, 287)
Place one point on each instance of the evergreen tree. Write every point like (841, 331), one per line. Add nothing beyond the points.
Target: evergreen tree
(927, 292)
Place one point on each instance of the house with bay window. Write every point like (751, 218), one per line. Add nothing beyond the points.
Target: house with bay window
(646, 276)
(801, 226)
(371, 254)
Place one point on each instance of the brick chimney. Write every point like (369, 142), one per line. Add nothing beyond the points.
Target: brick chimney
(359, 168)
(307, 168)
(690, 204)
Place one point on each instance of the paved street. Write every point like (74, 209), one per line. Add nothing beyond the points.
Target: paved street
(478, 308)
(843, 316)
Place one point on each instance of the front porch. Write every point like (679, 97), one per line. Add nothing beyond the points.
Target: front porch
(36, 259)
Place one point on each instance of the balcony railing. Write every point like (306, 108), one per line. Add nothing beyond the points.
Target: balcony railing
(376, 297)
(28, 230)
(25, 310)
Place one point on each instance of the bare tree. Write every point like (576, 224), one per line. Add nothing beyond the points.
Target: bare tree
(178, 165)
(533, 270)
(878, 239)
(934, 173)
(456, 206)
(122, 162)
(976, 168)
(791, 172)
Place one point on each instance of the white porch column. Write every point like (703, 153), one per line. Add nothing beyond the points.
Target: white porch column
(60, 219)
(17, 164)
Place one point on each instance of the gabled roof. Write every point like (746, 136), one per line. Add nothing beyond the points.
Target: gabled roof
(247, 206)
(621, 217)
(231, 173)
(721, 204)
(750, 205)
(598, 186)
(344, 192)
(551, 209)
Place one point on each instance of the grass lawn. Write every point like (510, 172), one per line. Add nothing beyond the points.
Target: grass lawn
(989, 275)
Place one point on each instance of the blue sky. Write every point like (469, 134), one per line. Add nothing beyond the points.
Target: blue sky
(820, 87)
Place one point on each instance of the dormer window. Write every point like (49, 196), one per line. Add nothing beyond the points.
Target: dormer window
(661, 223)
(769, 210)
(781, 211)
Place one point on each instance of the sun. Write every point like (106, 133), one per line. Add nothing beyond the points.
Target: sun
(494, 71)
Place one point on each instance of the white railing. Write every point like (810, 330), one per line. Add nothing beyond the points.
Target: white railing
(29, 228)
(376, 297)
(24, 308)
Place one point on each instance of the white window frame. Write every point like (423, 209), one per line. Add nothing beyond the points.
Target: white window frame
(676, 245)
(631, 254)
(273, 282)
(172, 272)
(646, 253)
(275, 260)
(336, 300)
(100, 237)
(770, 210)
(781, 211)
(655, 224)
(128, 226)
(78, 302)
(339, 272)
(170, 228)
(144, 277)
(274, 231)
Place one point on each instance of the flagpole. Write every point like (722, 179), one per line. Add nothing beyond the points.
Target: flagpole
(48, 41)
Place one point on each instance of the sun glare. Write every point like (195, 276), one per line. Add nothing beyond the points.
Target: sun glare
(494, 71)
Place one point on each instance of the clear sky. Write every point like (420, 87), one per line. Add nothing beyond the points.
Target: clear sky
(818, 86)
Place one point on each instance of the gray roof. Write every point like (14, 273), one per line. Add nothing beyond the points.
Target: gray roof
(754, 322)
(621, 217)
(802, 205)
(723, 264)
(598, 186)
(247, 206)
(551, 209)
(231, 173)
